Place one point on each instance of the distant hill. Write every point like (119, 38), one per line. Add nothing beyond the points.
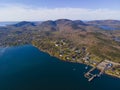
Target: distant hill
(24, 23)
(66, 24)
(106, 24)
(63, 25)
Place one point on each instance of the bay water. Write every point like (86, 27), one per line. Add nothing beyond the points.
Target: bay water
(28, 68)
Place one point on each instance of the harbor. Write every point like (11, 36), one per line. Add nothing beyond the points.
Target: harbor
(105, 66)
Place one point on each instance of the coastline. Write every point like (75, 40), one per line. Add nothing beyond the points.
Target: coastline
(107, 73)
(110, 74)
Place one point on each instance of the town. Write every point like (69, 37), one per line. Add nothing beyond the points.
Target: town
(64, 50)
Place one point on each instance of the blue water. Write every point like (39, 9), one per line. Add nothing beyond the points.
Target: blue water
(27, 68)
(7, 23)
(106, 27)
(117, 39)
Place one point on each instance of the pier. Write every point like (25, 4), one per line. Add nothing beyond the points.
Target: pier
(91, 76)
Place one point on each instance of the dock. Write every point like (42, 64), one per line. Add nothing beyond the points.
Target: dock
(91, 76)
(90, 79)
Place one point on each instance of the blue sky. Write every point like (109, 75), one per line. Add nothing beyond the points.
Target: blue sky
(35, 10)
(92, 4)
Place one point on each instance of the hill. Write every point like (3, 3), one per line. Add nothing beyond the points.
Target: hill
(69, 40)
(106, 24)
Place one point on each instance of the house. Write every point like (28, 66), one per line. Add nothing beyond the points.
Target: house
(56, 45)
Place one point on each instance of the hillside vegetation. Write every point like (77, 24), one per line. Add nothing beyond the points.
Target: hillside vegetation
(76, 34)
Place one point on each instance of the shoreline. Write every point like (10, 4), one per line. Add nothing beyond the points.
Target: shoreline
(77, 62)
(109, 74)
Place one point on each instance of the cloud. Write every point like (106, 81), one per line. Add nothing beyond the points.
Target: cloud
(21, 12)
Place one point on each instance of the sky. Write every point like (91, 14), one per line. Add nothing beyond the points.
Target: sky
(39, 10)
